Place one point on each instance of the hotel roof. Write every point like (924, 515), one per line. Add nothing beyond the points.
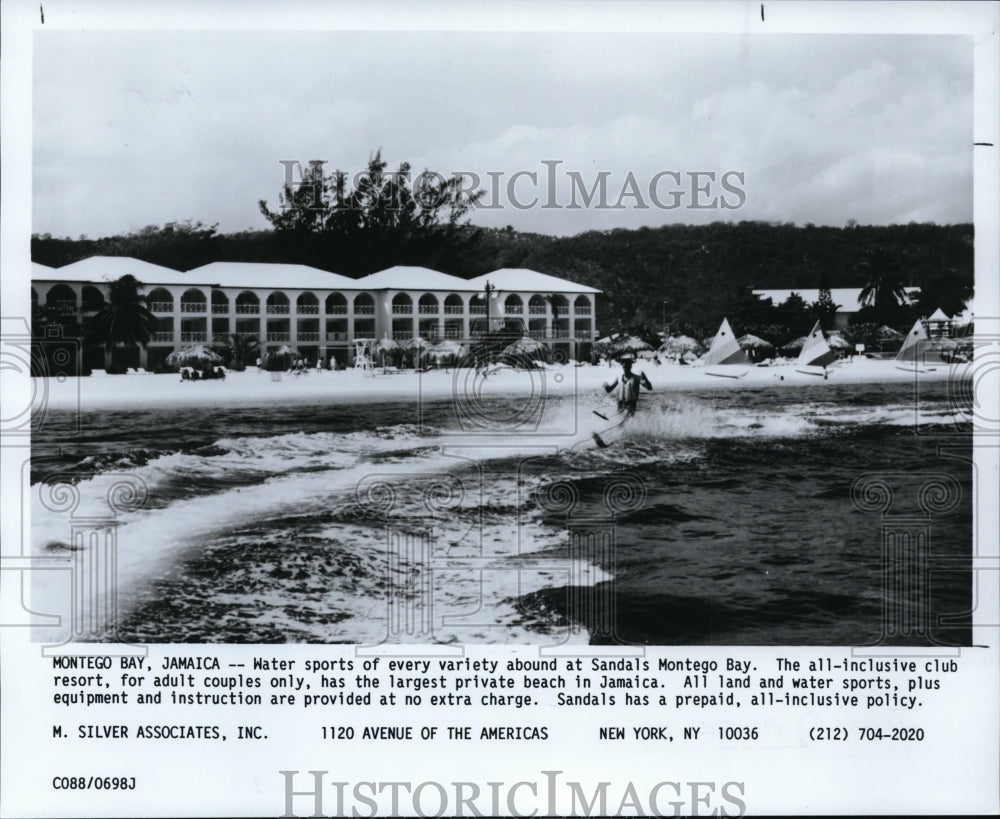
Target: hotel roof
(403, 277)
(270, 275)
(523, 279)
(109, 268)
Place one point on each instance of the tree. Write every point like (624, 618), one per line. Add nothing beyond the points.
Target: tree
(883, 289)
(125, 320)
(824, 309)
(386, 218)
(240, 350)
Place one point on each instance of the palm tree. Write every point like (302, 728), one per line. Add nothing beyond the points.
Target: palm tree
(125, 320)
(242, 349)
(884, 289)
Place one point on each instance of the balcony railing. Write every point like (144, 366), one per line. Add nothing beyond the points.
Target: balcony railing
(166, 336)
(246, 334)
(220, 308)
(308, 309)
(336, 336)
(582, 311)
(161, 306)
(220, 338)
(278, 309)
(193, 307)
(279, 336)
(364, 309)
(559, 333)
(452, 332)
(336, 309)
(194, 336)
(402, 309)
(537, 309)
(307, 336)
(583, 335)
(429, 309)
(454, 309)
(248, 309)
(364, 336)
(513, 309)
(65, 304)
(477, 309)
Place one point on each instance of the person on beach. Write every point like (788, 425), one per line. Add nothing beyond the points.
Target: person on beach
(627, 385)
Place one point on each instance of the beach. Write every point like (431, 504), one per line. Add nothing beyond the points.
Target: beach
(353, 386)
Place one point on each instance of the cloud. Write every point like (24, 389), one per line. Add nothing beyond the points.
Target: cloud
(173, 125)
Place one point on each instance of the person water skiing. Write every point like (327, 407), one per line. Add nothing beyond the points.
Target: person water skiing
(628, 386)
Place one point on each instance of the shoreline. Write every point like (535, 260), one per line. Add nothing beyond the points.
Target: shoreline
(347, 387)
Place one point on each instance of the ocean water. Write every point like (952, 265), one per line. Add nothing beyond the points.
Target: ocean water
(727, 516)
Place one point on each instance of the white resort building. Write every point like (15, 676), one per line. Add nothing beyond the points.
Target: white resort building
(321, 314)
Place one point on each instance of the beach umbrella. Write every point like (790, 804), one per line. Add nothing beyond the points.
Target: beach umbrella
(756, 343)
(795, 346)
(682, 344)
(286, 349)
(525, 346)
(197, 356)
(888, 334)
(838, 342)
(630, 344)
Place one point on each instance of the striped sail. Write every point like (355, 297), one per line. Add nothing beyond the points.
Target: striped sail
(725, 349)
(914, 344)
(816, 352)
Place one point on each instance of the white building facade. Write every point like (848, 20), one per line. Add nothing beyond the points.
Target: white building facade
(322, 314)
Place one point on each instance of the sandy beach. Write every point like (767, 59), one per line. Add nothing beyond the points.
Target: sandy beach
(353, 386)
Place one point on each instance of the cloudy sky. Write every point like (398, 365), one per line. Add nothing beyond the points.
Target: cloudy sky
(136, 128)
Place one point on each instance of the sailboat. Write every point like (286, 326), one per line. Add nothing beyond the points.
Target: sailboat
(726, 352)
(917, 351)
(816, 354)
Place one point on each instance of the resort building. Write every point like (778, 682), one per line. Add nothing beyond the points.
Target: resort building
(321, 314)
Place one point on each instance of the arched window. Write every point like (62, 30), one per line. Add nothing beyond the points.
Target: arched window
(513, 304)
(428, 304)
(402, 304)
(453, 305)
(364, 304)
(277, 303)
(220, 302)
(537, 306)
(582, 306)
(307, 304)
(92, 297)
(160, 300)
(61, 296)
(193, 301)
(336, 304)
(247, 302)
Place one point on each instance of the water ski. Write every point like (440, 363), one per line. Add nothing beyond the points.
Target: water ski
(609, 428)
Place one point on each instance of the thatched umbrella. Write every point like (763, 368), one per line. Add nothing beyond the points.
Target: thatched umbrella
(795, 346)
(446, 349)
(838, 342)
(197, 356)
(417, 345)
(678, 345)
(886, 333)
(383, 347)
(630, 344)
(756, 347)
